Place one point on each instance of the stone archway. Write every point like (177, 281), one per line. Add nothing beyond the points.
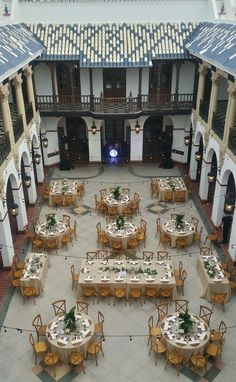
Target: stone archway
(154, 140)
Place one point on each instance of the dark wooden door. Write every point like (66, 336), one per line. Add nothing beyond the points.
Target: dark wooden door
(68, 80)
(114, 83)
(160, 76)
(152, 139)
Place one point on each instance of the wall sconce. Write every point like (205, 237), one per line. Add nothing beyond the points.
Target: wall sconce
(45, 142)
(137, 127)
(27, 181)
(94, 128)
(229, 202)
(198, 156)
(187, 140)
(211, 177)
(37, 158)
(229, 207)
(13, 209)
(219, 170)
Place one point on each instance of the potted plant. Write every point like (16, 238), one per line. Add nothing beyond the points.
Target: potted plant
(120, 221)
(69, 321)
(185, 322)
(116, 193)
(179, 222)
(51, 220)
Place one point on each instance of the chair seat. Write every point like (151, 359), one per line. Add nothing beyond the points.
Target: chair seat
(98, 327)
(198, 360)
(76, 277)
(215, 336)
(179, 282)
(42, 330)
(91, 349)
(75, 358)
(159, 347)
(29, 291)
(155, 331)
(40, 347)
(212, 349)
(51, 359)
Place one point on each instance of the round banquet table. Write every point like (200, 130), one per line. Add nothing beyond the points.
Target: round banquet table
(76, 342)
(128, 231)
(194, 343)
(56, 232)
(121, 204)
(186, 232)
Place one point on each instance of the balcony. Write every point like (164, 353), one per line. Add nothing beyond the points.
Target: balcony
(218, 118)
(5, 146)
(143, 104)
(203, 110)
(232, 140)
(29, 114)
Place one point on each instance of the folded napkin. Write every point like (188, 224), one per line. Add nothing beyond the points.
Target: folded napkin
(61, 317)
(88, 278)
(194, 342)
(166, 326)
(118, 278)
(34, 277)
(201, 326)
(86, 269)
(171, 318)
(53, 335)
(105, 278)
(171, 336)
(118, 262)
(160, 262)
(181, 341)
(53, 325)
(217, 266)
(168, 274)
(221, 274)
(167, 266)
(164, 280)
(86, 323)
(133, 262)
(104, 262)
(201, 336)
(63, 341)
(134, 279)
(77, 316)
(147, 263)
(150, 279)
(217, 279)
(90, 262)
(76, 341)
(84, 333)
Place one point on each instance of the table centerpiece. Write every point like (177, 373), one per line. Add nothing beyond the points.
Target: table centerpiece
(51, 221)
(179, 221)
(120, 221)
(185, 322)
(69, 321)
(116, 193)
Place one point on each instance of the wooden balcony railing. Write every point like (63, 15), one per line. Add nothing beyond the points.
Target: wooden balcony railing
(129, 105)
(5, 147)
(218, 124)
(203, 110)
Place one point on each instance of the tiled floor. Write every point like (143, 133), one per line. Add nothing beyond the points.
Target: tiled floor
(125, 347)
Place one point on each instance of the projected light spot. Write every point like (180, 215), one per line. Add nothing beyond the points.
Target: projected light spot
(113, 153)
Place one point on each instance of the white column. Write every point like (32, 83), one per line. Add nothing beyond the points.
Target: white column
(94, 142)
(218, 203)
(6, 242)
(22, 218)
(204, 185)
(136, 142)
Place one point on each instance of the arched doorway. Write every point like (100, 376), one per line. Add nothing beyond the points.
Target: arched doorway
(11, 183)
(116, 136)
(73, 142)
(153, 139)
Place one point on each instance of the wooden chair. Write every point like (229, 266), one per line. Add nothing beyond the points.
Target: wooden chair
(99, 324)
(102, 237)
(217, 335)
(134, 203)
(51, 360)
(66, 219)
(198, 236)
(56, 200)
(92, 255)
(175, 358)
(142, 232)
(67, 239)
(148, 255)
(50, 245)
(168, 197)
(205, 251)
(100, 206)
(16, 283)
(162, 255)
(73, 231)
(59, 307)
(154, 188)
(88, 292)
(164, 239)
(28, 292)
(181, 242)
(112, 211)
(76, 359)
(157, 346)
(119, 294)
(205, 313)
(94, 348)
(180, 281)
(214, 349)
(166, 294)
(69, 200)
(16, 273)
(180, 196)
(136, 294)
(158, 226)
(218, 298)
(103, 254)
(181, 306)
(162, 311)
(19, 264)
(40, 328)
(150, 292)
(104, 292)
(74, 276)
(133, 243)
(199, 361)
(103, 193)
(39, 348)
(125, 191)
(46, 191)
(213, 236)
(117, 245)
(195, 222)
(29, 234)
(153, 331)
(37, 245)
(128, 213)
(82, 306)
(177, 272)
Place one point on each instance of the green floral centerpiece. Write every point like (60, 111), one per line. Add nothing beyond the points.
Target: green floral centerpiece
(65, 186)
(51, 220)
(211, 270)
(116, 193)
(120, 221)
(179, 221)
(171, 184)
(69, 321)
(185, 322)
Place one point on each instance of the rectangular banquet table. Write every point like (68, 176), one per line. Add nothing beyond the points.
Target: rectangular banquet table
(124, 273)
(33, 275)
(209, 286)
(56, 188)
(164, 186)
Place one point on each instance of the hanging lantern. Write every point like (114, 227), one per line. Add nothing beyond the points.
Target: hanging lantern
(229, 207)
(13, 209)
(137, 127)
(27, 181)
(198, 156)
(94, 128)
(211, 177)
(187, 140)
(45, 142)
(37, 158)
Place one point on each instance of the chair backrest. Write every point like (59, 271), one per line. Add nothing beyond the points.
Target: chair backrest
(162, 255)
(91, 255)
(100, 318)
(158, 224)
(130, 254)
(99, 227)
(59, 307)
(143, 224)
(195, 222)
(219, 298)
(82, 307)
(103, 193)
(66, 219)
(222, 328)
(181, 306)
(200, 361)
(136, 196)
(148, 255)
(37, 322)
(150, 322)
(102, 254)
(126, 191)
(184, 275)
(162, 309)
(205, 251)
(174, 357)
(205, 314)
(135, 292)
(32, 342)
(72, 270)
(180, 267)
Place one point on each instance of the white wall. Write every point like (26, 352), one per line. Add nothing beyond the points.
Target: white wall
(97, 82)
(132, 75)
(84, 81)
(186, 77)
(43, 82)
(145, 80)
(115, 11)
